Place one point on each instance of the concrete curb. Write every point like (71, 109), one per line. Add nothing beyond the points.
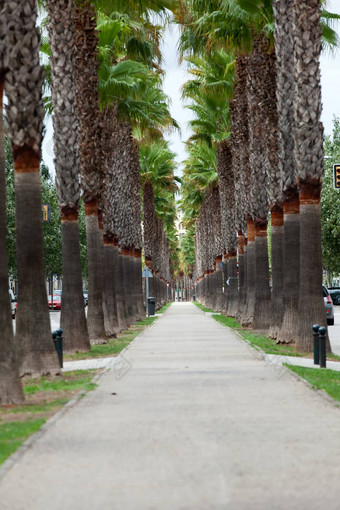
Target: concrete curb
(26, 445)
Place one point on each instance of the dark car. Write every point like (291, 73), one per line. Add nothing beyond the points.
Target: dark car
(334, 292)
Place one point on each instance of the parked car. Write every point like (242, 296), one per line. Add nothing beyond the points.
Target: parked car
(335, 295)
(56, 302)
(13, 303)
(86, 297)
(328, 305)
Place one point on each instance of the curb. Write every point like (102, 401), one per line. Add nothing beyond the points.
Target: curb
(26, 445)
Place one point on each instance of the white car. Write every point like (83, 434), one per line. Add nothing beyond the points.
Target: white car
(13, 302)
(328, 305)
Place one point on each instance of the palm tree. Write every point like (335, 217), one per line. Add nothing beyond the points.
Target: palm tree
(25, 121)
(309, 157)
(10, 386)
(62, 41)
(87, 110)
(291, 223)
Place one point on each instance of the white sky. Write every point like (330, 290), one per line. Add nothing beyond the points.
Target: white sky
(176, 76)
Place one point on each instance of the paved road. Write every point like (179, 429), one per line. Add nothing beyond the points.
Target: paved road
(191, 421)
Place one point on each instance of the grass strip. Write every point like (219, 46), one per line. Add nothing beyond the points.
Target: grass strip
(261, 341)
(114, 345)
(165, 307)
(44, 397)
(321, 378)
(13, 434)
(203, 308)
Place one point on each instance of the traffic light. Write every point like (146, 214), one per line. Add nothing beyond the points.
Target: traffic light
(336, 173)
(45, 213)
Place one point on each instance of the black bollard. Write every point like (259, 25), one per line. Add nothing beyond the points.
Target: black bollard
(316, 344)
(322, 332)
(57, 336)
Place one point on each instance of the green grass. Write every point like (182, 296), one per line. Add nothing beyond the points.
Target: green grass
(13, 434)
(261, 341)
(165, 307)
(227, 321)
(203, 308)
(115, 345)
(44, 396)
(60, 384)
(322, 378)
(258, 340)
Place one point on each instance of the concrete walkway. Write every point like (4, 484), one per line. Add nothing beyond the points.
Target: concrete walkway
(192, 420)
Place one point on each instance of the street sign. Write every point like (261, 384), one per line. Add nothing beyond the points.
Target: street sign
(336, 176)
(147, 273)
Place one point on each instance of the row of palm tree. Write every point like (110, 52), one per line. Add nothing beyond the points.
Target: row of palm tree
(106, 96)
(264, 127)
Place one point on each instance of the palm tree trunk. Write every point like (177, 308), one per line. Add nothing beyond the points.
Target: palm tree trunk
(291, 274)
(95, 315)
(128, 286)
(25, 114)
(233, 284)
(138, 283)
(248, 315)
(241, 268)
(311, 305)
(37, 355)
(10, 385)
(225, 286)
(72, 319)
(62, 36)
(262, 291)
(277, 271)
(121, 293)
(219, 283)
(109, 289)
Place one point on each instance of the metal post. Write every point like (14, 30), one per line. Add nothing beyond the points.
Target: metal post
(322, 332)
(316, 343)
(57, 336)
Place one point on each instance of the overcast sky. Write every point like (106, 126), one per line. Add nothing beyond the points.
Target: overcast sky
(176, 76)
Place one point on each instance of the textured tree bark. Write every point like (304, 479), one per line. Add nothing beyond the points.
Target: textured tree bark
(233, 284)
(248, 315)
(109, 289)
(311, 305)
(37, 355)
(126, 285)
(95, 315)
(72, 318)
(262, 291)
(225, 286)
(291, 274)
(118, 283)
(213, 289)
(219, 283)
(121, 296)
(241, 279)
(10, 385)
(277, 271)
(138, 284)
